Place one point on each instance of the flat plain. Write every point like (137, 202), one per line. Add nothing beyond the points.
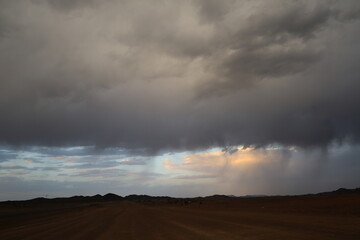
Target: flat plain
(293, 217)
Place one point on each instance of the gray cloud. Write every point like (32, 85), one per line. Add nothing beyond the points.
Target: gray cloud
(103, 173)
(71, 5)
(178, 75)
(79, 154)
(212, 10)
(95, 164)
(92, 162)
(279, 171)
(280, 42)
(7, 156)
(192, 177)
(15, 167)
(19, 167)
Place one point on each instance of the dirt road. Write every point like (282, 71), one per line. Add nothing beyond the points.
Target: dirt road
(238, 219)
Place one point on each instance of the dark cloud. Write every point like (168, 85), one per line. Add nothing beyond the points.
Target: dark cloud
(230, 150)
(48, 169)
(71, 5)
(102, 162)
(135, 161)
(15, 167)
(243, 68)
(80, 153)
(103, 173)
(199, 176)
(276, 43)
(7, 156)
(95, 164)
(178, 75)
(19, 167)
(292, 19)
(212, 10)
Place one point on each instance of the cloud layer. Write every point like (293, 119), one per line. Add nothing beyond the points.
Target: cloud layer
(179, 74)
(270, 170)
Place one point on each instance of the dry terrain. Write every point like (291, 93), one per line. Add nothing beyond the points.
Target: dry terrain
(302, 217)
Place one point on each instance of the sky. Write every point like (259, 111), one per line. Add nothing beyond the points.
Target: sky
(179, 98)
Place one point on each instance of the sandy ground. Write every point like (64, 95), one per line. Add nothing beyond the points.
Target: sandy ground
(320, 217)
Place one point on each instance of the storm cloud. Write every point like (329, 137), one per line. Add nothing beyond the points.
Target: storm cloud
(179, 75)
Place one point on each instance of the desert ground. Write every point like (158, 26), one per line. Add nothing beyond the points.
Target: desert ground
(299, 217)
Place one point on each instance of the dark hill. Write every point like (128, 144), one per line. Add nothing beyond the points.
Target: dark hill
(341, 191)
(110, 197)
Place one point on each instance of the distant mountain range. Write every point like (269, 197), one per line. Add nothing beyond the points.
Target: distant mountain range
(111, 197)
(342, 191)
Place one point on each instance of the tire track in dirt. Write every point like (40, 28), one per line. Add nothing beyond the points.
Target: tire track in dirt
(134, 221)
(264, 223)
(41, 228)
